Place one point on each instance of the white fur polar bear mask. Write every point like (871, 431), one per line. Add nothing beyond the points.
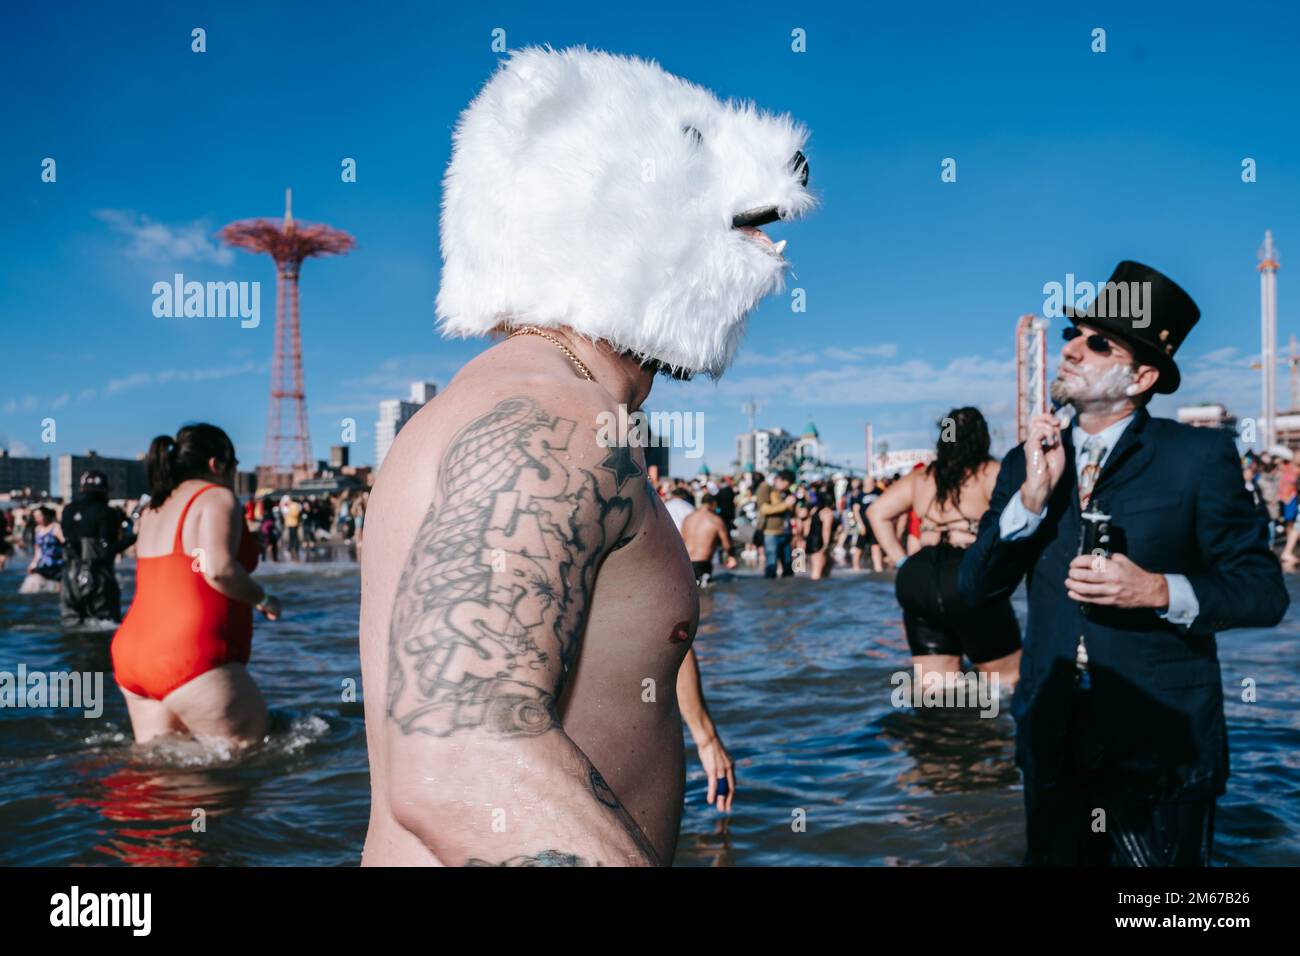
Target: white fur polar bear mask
(601, 193)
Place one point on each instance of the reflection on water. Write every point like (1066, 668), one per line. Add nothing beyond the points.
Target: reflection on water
(797, 675)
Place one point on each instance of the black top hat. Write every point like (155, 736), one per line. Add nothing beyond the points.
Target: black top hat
(1151, 319)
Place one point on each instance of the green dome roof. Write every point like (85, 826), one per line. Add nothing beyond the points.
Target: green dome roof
(810, 429)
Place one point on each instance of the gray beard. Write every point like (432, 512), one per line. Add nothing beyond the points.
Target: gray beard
(1106, 395)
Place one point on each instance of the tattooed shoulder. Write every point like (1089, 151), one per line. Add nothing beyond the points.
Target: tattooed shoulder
(493, 597)
(545, 858)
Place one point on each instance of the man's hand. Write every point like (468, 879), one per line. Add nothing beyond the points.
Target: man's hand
(1115, 581)
(717, 766)
(1043, 467)
(731, 562)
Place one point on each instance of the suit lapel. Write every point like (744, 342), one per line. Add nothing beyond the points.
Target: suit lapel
(1070, 479)
(1131, 451)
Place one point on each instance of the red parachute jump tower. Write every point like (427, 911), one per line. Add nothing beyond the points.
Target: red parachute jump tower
(286, 453)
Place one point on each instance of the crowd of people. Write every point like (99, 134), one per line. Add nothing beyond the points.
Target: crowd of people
(285, 528)
(1272, 477)
(287, 525)
(787, 526)
(783, 524)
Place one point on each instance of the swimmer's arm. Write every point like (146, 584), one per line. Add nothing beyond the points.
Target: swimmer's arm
(220, 525)
(123, 532)
(708, 743)
(725, 538)
(487, 621)
(690, 699)
(883, 512)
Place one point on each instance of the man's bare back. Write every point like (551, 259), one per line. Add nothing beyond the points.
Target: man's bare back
(704, 532)
(526, 605)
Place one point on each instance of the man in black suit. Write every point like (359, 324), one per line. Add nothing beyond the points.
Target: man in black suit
(1120, 727)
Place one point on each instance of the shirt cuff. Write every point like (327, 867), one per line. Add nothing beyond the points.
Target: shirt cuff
(1017, 521)
(1183, 606)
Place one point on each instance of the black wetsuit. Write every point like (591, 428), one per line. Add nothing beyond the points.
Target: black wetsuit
(726, 499)
(94, 534)
(935, 617)
(816, 541)
(865, 500)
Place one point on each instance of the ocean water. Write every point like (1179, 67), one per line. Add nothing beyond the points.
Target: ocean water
(797, 676)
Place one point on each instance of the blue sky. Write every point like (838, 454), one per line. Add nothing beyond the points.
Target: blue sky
(1067, 161)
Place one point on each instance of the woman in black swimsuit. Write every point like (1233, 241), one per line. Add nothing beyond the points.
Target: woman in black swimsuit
(951, 495)
(818, 528)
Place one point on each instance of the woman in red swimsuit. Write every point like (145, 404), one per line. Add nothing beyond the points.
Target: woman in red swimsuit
(179, 655)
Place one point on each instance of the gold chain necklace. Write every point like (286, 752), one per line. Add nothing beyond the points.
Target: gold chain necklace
(534, 330)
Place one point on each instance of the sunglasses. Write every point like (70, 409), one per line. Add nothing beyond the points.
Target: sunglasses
(1096, 341)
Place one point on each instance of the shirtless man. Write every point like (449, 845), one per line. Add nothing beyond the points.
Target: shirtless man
(703, 531)
(527, 602)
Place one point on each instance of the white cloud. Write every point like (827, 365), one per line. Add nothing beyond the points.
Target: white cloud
(25, 404)
(149, 239)
(969, 380)
(185, 375)
(131, 382)
(884, 350)
(783, 357)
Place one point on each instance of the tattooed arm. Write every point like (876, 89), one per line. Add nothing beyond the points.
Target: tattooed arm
(487, 621)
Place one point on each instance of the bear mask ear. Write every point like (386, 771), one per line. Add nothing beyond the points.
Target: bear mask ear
(695, 134)
(799, 165)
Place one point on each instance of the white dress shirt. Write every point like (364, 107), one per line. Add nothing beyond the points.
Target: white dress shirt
(1019, 522)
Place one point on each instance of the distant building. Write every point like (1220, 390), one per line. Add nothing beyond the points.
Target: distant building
(126, 476)
(769, 445)
(245, 484)
(745, 451)
(327, 485)
(20, 474)
(1288, 430)
(809, 446)
(339, 471)
(1208, 415)
(900, 462)
(769, 449)
(394, 413)
(363, 473)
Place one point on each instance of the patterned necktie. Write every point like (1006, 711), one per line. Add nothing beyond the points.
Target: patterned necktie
(1093, 449)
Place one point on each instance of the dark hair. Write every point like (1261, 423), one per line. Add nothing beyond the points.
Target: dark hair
(47, 513)
(708, 499)
(786, 474)
(173, 460)
(956, 459)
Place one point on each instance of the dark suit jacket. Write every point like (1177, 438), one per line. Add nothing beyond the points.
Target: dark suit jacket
(1178, 505)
